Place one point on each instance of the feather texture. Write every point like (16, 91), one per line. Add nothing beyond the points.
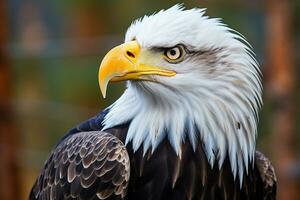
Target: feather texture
(72, 173)
(87, 165)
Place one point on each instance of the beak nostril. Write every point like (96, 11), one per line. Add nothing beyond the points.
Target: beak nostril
(131, 55)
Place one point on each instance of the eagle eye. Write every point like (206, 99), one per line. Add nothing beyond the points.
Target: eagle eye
(174, 54)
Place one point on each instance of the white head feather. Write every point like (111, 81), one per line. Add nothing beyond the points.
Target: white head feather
(215, 95)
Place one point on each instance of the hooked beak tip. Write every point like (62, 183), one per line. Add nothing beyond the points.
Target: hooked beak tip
(103, 87)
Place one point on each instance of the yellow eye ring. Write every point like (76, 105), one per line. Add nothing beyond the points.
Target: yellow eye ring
(174, 54)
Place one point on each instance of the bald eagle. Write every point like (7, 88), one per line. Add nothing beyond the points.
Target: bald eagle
(185, 127)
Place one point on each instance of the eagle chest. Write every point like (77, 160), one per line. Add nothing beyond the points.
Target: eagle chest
(164, 175)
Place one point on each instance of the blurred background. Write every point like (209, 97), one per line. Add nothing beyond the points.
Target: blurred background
(50, 52)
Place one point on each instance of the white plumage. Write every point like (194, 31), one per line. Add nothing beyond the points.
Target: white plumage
(217, 92)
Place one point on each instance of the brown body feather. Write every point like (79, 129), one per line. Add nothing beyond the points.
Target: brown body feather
(90, 164)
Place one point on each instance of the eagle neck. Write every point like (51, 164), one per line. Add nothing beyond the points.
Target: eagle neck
(216, 125)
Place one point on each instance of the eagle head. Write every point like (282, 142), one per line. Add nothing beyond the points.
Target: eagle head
(188, 77)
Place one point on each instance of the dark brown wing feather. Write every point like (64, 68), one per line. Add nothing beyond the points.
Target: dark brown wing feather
(86, 165)
(158, 175)
(267, 174)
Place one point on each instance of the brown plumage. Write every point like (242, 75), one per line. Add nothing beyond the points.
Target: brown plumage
(87, 165)
(91, 164)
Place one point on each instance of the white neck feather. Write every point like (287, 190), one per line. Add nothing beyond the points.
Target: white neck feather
(222, 116)
(213, 100)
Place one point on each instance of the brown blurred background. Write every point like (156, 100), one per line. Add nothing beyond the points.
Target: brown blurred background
(49, 57)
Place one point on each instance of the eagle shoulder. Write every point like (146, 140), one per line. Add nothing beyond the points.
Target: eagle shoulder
(86, 165)
(267, 174)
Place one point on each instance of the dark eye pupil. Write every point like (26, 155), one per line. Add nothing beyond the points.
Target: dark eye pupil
(173, 52)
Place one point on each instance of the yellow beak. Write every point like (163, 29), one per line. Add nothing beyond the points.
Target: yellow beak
(122, 63)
